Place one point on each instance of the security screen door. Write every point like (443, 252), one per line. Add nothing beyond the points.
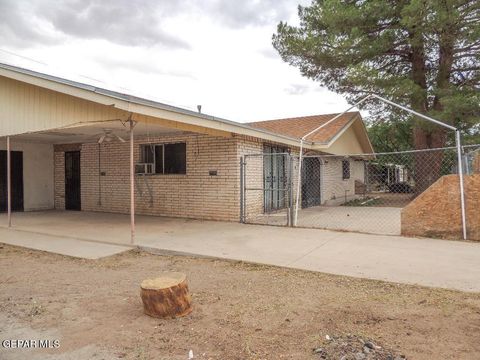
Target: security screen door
(72, 181)
(274, 178)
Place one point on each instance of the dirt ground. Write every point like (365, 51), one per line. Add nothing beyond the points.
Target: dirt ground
(241, 311)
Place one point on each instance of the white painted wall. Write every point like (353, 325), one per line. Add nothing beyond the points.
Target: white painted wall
(333, 185)
(38, 189)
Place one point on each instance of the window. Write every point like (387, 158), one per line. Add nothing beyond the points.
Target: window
(345, 169)
(175, 159)
(146, 154)
(166, 158)
(158, 156)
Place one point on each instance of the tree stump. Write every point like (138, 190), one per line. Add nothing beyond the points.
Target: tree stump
(166, 296)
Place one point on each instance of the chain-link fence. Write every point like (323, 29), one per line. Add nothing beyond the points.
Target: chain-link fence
(472, 159)
(366, 193)
(362, 193)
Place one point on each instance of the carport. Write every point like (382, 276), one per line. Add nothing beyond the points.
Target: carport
(125, 154)
(116, 138)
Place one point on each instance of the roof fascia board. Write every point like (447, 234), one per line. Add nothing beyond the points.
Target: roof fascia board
(344, 128)
(337, 135)
(59, 87)
(369, 143)
(213, 123)
(354, 119)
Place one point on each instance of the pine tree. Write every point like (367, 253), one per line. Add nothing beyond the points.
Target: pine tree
(424, 54)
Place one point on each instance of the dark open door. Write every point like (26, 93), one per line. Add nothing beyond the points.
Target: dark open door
(17, 180)
(311, 182)
(72, 180)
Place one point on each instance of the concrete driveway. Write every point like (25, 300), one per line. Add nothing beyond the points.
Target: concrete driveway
(383, 220)
(429, 262)
(372, 220)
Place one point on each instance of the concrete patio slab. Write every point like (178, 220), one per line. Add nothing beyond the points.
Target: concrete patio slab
(60, 244)
(428, 262)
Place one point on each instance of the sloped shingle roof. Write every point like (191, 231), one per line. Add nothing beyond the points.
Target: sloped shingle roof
(299, 126)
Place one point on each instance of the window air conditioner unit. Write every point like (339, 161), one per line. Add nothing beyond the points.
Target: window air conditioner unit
(144, 168)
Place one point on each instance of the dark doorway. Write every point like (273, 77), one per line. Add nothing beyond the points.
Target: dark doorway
(17, 180)
(72, 180)
(311, 182)
(274, 178)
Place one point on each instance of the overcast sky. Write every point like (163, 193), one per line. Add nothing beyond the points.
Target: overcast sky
(217, 53)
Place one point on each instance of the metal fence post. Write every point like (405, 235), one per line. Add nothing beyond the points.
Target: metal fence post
(462, 190)
(241, 189)
(243, 162)
(299, 179)
(132, 183)
(9, 183)
(290, 190)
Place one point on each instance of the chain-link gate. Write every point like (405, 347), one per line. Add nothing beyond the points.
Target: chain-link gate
(361, 193)
(266, 196)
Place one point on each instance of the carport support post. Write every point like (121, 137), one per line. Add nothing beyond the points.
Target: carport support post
(9, 184)
(132, 186)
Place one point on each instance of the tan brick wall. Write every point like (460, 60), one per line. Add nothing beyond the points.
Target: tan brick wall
(193, 195)
(437, 213)
(67, 147)
(59, 179)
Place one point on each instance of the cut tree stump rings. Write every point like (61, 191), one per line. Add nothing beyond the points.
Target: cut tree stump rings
(166, 296)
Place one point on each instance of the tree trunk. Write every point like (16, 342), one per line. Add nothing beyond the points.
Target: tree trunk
(428, 164)
(166, 296)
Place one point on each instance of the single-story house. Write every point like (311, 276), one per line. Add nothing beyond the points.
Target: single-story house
(72, 148)
(327, 180)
